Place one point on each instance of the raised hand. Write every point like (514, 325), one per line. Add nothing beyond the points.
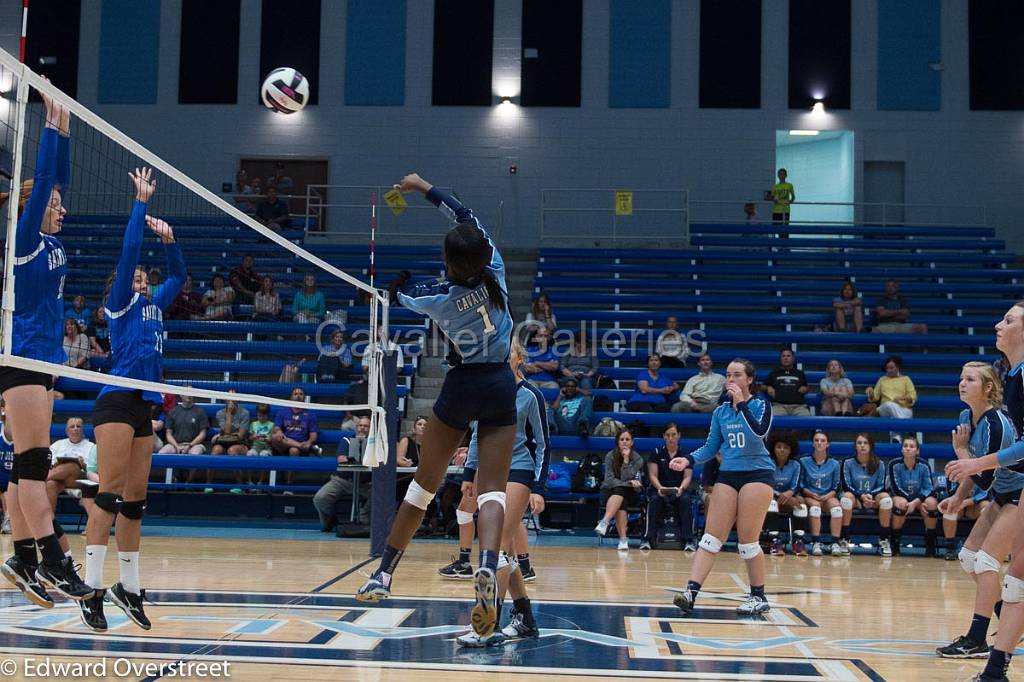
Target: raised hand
(145, 185)
(54, 110)
(961, 437)
(161, 229)
(959, 469)
(413, 183)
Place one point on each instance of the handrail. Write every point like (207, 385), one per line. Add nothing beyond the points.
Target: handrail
(864, 213)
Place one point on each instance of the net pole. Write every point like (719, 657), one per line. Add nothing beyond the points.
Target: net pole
(24, 30)
(21, 107)
(373, 238)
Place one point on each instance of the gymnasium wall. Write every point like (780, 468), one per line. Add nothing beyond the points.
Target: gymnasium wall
(951, 154)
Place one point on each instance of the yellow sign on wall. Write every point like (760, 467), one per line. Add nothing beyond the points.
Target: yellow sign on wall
(623, 203)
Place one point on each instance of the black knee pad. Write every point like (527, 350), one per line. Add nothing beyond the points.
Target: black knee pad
(14, 473)
(899, 512)
(33, 464)
(933, 513)
(108, 502)
(133, 510)
(58, 530)
(89, 492)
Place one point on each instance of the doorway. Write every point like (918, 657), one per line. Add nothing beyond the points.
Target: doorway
(820, 167)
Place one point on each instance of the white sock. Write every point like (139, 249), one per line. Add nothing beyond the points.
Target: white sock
(94, 558)
(129, 562)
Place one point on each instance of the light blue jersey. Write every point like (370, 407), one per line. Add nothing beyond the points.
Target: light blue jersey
(993, 433)
(40, 262)
(740, 435)
(137, 324)
(479, 332)
(820, 478)
(787, 477)
(858, 481)
(532, 449)
(911, 484)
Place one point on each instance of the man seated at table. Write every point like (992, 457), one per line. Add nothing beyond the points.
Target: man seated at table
(350, 451)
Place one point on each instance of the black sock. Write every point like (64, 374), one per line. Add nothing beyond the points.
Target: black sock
(845, 534)
(49, 547)
(489, 560)
(998, 609)
(25, 550)
(464, 554)
(524, 562)
(884, 534)
(815, 539)
(998, 664)
(693, 586)
(979, 628)
(388, 563)
(757, 591)
(523, 607)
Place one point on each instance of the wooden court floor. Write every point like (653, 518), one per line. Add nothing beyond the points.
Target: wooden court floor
(282, 610)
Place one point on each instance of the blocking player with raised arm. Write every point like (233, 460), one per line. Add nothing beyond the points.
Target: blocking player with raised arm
(470, 306)
(40, 265)
(744, 488)
(124, 430)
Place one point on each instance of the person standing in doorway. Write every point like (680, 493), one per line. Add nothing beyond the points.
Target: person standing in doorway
(783, 196)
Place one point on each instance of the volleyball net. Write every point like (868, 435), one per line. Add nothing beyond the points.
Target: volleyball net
(249, 315)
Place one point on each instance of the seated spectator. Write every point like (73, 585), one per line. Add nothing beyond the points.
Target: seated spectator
(409, 447)
(280, 181)
(581, 364)
(864, 481)
(784, 449)
(70, 458)
(572, 410)
(836, 391)
(78, 312)
(217, 301)
(187, 305)
(702, 391)
(669, 489)
(820, 480)
(185, 432)
(893, 395)
(156, 282)
(750, 212)
(266, 302)
(541, 316)
(260, 431)
(623, 469)
(156, 418)
(848, 310)
(75, 447)
(671, 345)
(251, 193)
(892, 313)
(245, 281)
(335, 362)
(273, 211)
(76, 345)
(296, 431)
(98, 333)
(910, 484)
(350, 451)
(542, 364)
(357, 394)
(652, 389)
(233, 421)
(787, 387)
(309, 304)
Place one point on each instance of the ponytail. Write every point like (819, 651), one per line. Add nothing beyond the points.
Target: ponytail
(495, 294)
(24, 192)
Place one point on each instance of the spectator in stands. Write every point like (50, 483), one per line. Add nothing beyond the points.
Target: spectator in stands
(296, 431)
(703, 390)
(350, 451)
(76, 345)
(78, 312)
(74, 447)
(357, 394)
(259, 440)
(541, 315)
(156, 418)
(280, 181)
(671, 346)
(653, 389)
(249, 195)
(71, 459)
(187, 305)
(266, 302)
(217, 300)
(156, 282)
(669, 489)
(784, 449)
(542, 364)
(820, 478)
(893, 395)
(572, 410)
(309, 304)
(910, 484)
(623, 471)
(185, 433)
(787, 387)
(892, 313)
(335, 362)
(245, 281)
(582, 365)
(836, 391)
(750, 212)
(233, 421)
(864, 483)
(783, 195)
(409, 446)
(98, 332)
(273, 211)
(847, 308)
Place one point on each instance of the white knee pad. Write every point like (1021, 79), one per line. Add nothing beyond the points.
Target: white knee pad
(417, 496)
(1013, 589)
(846, 503)
(800, 512)
(749, 550)
(773, 507)
(985, 562)
(709, 543)
(885, 503)
(836, 512)
(463, 517)
(815, 512)
(493, 496)
(967, 558)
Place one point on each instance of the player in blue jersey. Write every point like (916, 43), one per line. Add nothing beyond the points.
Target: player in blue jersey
(910, 485)
(820, 478)
(470, 306)
(40, 265)
(527, 483)
(744, 488)
(983, 428)
(864, 487)
(6, 465)
(124, 430)
(785, 449)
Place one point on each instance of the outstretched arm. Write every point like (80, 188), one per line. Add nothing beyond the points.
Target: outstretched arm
(175, 263)
(121, 293)
(27, 239)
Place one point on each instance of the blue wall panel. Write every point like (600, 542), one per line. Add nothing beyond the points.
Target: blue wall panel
(129, 52)
(375, 53)
(639, 60)
(909, 38)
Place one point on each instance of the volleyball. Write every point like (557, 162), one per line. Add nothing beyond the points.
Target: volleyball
(285, 90)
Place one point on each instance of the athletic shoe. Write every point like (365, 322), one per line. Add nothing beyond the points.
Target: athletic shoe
(92, 612)
(207, 491)
(816, 549)
(950, 554)
(459, 570)
(475, 641)
(623, 545)
(884, 548)
(844, 545)
(685, 600)
(753, 606)
(690, 546)
(964, 647)
(776, 548)
(836, 549)
(601, 528)
(518, 629)
(5, 528)
(131, 604)
(645, 545)
(24, 578)
(484, 616)
(799, 548)
(373, 590)
(529, 576)
(63, 579)
(980, 677)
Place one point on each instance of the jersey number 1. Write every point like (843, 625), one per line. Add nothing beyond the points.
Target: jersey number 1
(488, 325)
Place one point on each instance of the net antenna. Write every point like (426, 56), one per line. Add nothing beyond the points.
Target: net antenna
(16, 80)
